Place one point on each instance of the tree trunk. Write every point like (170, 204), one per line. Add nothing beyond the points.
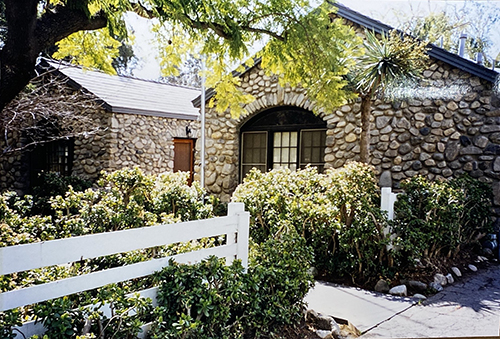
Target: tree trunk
(364, 143)
(28, 36)
(17, 57)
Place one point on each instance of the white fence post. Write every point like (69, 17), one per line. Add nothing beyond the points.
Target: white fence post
(387, 200)
(241, 237)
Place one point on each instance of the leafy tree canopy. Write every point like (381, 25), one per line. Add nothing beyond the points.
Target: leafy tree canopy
(302, 44)
(477, 19)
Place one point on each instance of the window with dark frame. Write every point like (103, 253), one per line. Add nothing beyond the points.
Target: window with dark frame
(55, 156)
(284, 137)
(312, 148)
(254, 150)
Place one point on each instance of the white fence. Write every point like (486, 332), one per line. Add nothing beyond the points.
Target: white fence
(63, 251)
(387, 200)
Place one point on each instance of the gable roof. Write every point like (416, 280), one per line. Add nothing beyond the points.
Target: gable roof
(434, 51)
(121, 94)
(379, 27)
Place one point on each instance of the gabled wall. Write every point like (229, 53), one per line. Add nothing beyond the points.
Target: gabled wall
(123, 140)
(437, 138)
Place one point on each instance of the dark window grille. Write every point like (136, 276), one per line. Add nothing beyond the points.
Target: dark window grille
(284, 137)
(254, 150)
(55, 156)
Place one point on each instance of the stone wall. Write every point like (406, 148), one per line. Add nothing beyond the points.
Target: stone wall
(13, 167)
(91, 154)
(145, 141)
(453, 130)
(222, 131)
(123, 140)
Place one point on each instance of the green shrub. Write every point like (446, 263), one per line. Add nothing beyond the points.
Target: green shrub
(435, 218)
(360, 243)
(50, 184)
(275, 285)
(211, 300)
(284, 201)
(337, 213)
(8, 320)
(129, 199)
(197, 301)
(476, 216)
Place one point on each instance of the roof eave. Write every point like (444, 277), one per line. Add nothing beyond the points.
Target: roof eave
(434, 51)
(161, 114)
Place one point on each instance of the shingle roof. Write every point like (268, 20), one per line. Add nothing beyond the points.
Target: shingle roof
(434, 51)
(121, 94)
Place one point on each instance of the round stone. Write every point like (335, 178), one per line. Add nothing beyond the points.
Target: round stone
(405, 148)
(351, 137)
(417, 165)
(425, 130)
(399, 290)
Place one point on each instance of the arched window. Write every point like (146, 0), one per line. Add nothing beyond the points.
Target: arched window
(288, 137)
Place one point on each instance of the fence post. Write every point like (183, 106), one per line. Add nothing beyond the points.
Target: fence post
(241, 239)
(387, 200)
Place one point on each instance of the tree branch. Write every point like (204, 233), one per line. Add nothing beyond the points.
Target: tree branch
(28, 36)
(61, 22)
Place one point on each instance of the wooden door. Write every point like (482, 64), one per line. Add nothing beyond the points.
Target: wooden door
(184, 156)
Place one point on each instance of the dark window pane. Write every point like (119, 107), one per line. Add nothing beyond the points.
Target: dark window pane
(316, 155)
(253, 151)
(312, 149)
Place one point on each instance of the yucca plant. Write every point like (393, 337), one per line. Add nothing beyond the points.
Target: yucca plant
(387, 59)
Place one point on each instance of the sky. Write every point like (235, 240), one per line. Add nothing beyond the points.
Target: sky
(391, 12)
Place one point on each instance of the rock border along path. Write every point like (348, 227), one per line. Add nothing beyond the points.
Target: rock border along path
(468, 308)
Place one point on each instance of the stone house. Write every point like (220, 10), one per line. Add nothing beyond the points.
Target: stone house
(448, 133)
(142, 123)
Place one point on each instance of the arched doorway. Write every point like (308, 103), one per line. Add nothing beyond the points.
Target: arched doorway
(289, 137)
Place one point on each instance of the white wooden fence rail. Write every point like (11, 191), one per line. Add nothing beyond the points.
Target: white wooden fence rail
(63, 251)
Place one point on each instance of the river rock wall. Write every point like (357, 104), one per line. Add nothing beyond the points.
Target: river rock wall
(122, 141)
(453, 128)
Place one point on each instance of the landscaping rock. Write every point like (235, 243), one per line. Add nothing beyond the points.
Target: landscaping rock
(382, 286)
(440, 279)
(456, 271)
(436, 287)
(417, 285)
(449, 279)
(313, 271)
(326, 325)
(419, 296)
(399, 290)
(472, 268)
(488, 252)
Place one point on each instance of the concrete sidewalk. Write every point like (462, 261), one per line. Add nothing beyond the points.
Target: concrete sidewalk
(468, 308)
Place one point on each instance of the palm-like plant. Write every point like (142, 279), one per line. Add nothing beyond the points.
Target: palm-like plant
(387, 60)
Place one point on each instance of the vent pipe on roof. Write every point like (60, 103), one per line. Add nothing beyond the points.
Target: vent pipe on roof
(461, 44)
(479, 58)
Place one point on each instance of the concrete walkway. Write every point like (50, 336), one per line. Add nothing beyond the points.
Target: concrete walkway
(468, 308)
